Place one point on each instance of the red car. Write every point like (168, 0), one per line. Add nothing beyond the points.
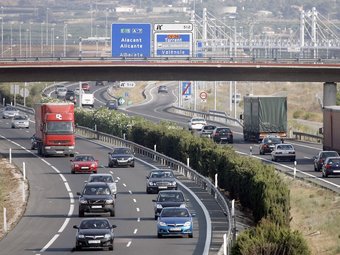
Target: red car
(84, 164)
(85, 86)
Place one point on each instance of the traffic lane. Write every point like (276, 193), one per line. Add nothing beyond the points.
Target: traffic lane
(134, 212)
(47, 204)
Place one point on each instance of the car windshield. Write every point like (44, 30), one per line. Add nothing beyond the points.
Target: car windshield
(96, 190)
(285, 147)
(175, 212)
(198, 120)
(329, 154)
(121, 151)
(272, 140)
(223, 130)
(59, 127)
(334, 161)
(83, 158)
(209, 127)
(101, 178)
(20, 117)
(161, 174)
(170, 197)
(94, 224)
(10, 109)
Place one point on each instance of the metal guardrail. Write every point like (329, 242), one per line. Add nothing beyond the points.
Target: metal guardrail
(217, 117)
(180, 167)
(307, 137)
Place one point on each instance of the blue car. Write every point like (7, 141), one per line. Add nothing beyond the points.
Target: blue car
(175, 221)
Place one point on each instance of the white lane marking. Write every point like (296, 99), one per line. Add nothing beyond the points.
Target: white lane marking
(138, 220)
(130, 192)
(49, 243)
(135, 232)
(118, 178)
(137, 209)
(55, 169)
(111, 172)
(124, 184)
(307, 157)
(71, 197)
(63, 177)
(128, 244)
(67, 187)
(64, 225)
(134, 200)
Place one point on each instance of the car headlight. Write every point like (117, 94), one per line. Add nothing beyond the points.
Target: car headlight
(76, 165)
(93, 165)
(159, 206)
(107, 236)
(113, 158)
(82, 201)
(162, 224)
(130, 158)
(173, 183)
(187, 224)
(109, 201)
(151, 183)
(183, 205)
(81, 236)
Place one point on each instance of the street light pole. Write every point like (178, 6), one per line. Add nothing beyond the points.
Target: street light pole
(11, 35)
(20, 49)
(2, 30)
(65, 38)
(30, 38)
(47, 26)
(41, 39)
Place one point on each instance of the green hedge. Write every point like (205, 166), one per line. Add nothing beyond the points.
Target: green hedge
(256, 185)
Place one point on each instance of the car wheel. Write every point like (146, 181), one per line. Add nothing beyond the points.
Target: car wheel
(111, 248)
(191, 235)
(147, 191)
(159, 235)
(72, 155)
(81, 213)
(113, 213)
(73, 172)
(12, 126)
(78, 248)
(156, 217)
(133, 165)
(109, 164)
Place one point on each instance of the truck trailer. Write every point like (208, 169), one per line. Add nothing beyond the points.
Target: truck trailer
(331, 126)
(54, 129)
(263, 116)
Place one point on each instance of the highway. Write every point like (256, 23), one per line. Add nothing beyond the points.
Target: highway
(52, 210)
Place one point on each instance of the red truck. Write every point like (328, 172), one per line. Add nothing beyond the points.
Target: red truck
(331, 125)
(54, 129)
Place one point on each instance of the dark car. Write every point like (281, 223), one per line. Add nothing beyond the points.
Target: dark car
(207, 130)
(267, 144)
(33, 142)
(222, 135)
(331, 166)
(168, 198)
(99, 83)
(96, 198)
(162, 89)
(85, 86)
(160, 179)
(70, 96)
(95, 233)
(121, 156)
(321, 157)
(112, 105)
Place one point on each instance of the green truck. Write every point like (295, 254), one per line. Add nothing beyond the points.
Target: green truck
(263, 116)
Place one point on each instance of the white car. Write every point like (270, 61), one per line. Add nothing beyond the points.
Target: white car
(9, 112)
(87, 99)
(20, 121)
(107, 178)
(196, 123)
(283, 151)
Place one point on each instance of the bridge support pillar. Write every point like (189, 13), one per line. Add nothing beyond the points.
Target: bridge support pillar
(329, 93)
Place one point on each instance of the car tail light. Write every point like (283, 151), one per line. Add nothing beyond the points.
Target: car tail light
(328, 166)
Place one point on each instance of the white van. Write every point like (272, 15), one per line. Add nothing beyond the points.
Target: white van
(87, 99)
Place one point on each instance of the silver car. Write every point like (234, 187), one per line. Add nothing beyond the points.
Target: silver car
(61, 92)
(20, 121)
(107, 178)
(283, 151)
(9, 112)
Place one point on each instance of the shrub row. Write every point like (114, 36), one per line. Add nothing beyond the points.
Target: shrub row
(254, 184)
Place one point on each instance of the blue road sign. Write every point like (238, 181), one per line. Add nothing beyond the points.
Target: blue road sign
(131, 40)
(186, 88)
(173, 44)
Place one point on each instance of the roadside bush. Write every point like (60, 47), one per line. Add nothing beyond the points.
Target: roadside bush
(269, 238)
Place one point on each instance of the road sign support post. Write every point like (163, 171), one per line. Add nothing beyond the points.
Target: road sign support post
(294, 169)
(10, 155)
(24, 170)
(5, 219)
